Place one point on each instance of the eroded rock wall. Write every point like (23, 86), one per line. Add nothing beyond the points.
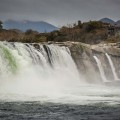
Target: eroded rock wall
(83, 56)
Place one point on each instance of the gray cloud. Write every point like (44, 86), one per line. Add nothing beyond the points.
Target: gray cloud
(59, 12)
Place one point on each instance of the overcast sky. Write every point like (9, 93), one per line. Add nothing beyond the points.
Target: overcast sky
(59, 12)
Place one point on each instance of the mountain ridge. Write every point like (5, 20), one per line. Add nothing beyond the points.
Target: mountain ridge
(110, 21)
(40, 26)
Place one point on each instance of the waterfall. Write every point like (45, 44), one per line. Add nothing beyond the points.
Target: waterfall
(101, 69)
(47, 73)
(112, 67)
(27, 70)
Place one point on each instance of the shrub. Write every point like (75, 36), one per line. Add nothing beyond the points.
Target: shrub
(92, 25)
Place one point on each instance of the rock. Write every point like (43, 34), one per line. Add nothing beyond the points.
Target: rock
(83, 57)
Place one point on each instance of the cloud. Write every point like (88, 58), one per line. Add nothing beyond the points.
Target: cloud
(59, 12)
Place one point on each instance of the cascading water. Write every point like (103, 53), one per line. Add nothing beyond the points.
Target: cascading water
(46, 73)
(112, 67)
(26, 70)
(101, 69)
(42, 82)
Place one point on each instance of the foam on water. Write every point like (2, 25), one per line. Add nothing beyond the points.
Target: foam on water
(47, 74)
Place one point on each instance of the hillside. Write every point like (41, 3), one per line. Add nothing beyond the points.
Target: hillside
(107, 20)
(39, 26)
(110, 21)
(92, 32)
(118, 23)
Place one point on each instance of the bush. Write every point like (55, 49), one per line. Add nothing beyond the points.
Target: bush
(30, 32)
(92, 25)
(40, 38)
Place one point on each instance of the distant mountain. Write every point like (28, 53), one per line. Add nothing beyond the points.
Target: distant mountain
(118, 23)
(107, 20)
(39, 26)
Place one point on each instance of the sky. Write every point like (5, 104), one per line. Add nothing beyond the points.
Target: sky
(59, 12)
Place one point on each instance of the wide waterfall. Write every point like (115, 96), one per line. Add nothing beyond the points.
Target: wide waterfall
(101, 69)
(47, 73)
(25, 69)
(112, 67)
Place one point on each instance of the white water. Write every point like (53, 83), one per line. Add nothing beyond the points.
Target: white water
(112, 67)
(28, 74)
(27, 71)
(101, 69)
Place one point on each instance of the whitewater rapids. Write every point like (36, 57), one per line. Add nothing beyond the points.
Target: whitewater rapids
(46, 74)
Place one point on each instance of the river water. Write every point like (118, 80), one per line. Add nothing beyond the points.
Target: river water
(44, 84)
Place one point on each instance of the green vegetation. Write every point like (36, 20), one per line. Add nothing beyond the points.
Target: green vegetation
(92, 32)
(89, 32)
(10, 58)
(92, 26)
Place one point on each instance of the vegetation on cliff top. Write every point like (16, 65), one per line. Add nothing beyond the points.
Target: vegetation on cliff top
(91, 32)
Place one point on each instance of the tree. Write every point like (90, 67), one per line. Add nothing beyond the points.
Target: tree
(1, 27)
(92, 25)
(28, 32)
(79, 24)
